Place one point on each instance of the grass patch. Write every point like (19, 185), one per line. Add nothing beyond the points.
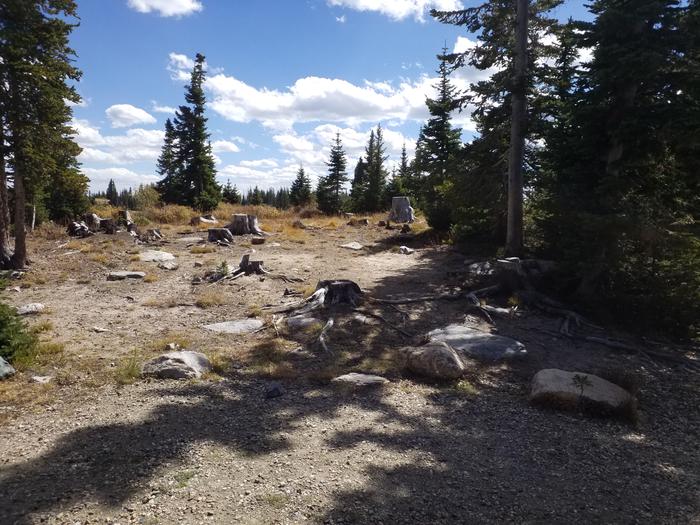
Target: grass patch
(209, 299)
(42, 326)
(466, 388)
(277, 500)
(161, 344)
(100, 258)
(150, 278)
(199, 250)
(255, 311)
(128, 371)
(183, 477)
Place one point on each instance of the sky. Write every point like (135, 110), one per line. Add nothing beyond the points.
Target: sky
(283, 77)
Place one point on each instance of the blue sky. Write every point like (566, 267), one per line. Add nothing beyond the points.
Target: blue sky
(283, 77)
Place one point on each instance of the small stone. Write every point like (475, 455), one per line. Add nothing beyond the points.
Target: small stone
(29, 309)
(156, 256)
(435, 360)
(120, 276)
(354, 379)
(169, 265)
(405, 250)
(99, 330)
(40, 379)
(177, 365)
(274, 390)
(352, 246)
(239, 326)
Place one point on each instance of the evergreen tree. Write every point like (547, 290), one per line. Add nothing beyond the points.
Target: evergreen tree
(112, 193)
(300, 192)
(358, 186)
(437, 150)
(190, 178)
(35, 66)
(230, 194)
(255, 197)
(376, 173)
(330, 187)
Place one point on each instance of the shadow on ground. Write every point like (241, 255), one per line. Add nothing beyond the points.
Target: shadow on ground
(482, 457)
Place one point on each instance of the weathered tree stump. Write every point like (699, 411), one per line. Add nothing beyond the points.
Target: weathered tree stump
(242, 224)
(220, 235)
(108, 226)
(92, 220)
(78, 229)
(340, 291)
(401, 210)
(124, 218)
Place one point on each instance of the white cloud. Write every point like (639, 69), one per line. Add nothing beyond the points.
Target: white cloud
(166, 7)
(126, 115)
(340, 19)
(399, 9)
(225, 146)
(260, 163)
(136, 145)
(162, 109)
(123, 178)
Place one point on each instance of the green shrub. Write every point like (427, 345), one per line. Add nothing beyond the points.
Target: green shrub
(16, 341)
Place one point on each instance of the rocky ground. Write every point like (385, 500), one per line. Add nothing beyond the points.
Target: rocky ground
(98, 444)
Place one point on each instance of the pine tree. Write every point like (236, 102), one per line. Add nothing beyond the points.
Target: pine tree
(255, 198)
(358, 185)
(330, 187)
(300, 192)
(112, 193)
(35, 66)
(437, 150)
(170, 186)
(192, 180)
(376, 173)
(230, 194)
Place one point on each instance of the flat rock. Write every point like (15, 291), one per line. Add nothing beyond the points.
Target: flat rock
(188, 240)
(479, 345)
(240, 326)
(177, 365)
(6, 369)
(40, 379)
(300, 322)
(29, 309)
(434, 360)
(168, 265)
(352, 246)
(567, 389)
(354, 379)
(120, 276)
(156, 256)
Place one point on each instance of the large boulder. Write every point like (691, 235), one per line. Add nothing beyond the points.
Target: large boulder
(6, 369)
(435, 360)
(478, 345)
(401, 210)
(177, 365)
(156, 256)
(240, 326)
(562, 389)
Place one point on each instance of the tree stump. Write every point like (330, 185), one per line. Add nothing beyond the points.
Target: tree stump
(242, 224)
(220, 235)
(108, 226)
(124, 218)
(92, 220)
(340, 291)
(78, 229)
(401, 210)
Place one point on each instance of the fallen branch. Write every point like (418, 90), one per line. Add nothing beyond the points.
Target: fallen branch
(322, 335)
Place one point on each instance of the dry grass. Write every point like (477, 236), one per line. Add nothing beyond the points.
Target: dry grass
(161, 344)
(167, 214)
(210, 298)
(199, 250)
(150, 278)
(128, 371)
(49, 231)
(289, 233)
(44, 354)
(100, 258)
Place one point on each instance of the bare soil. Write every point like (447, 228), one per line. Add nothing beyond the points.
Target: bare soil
(98, 445)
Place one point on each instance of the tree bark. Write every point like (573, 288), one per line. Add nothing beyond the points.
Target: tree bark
(5, 249)
(514, 234)
(19, 259)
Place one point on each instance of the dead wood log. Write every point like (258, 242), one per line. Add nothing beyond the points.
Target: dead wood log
(489, 290)
(78, 229)
(220, 235)
(92, 220)
(328, 293)
(385, 321)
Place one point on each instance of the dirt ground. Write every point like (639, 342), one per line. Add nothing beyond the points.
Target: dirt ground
(100, 445)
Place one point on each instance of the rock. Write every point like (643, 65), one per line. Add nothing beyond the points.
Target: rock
(29, 309)
(483, 268)
(274, 245)
(479, 345)
(299, 225)
(405, 228)
(274, 390)
(258, 240)
(169, 265)
(198, 264)
(300, 322)
(381, 224)
(401, 210)
(191, 240)
(99, 330)
(435, 360)
(177, 365)
(40, 379)
(354, 379)
(352, 246)
(120, 276)
(240, 326)
(156, 256)
(567, 389)
(405, 250)
(6, 369)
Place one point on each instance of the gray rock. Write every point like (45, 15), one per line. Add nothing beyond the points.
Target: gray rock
(6, 369)
(405, 250)
(354, 379)
(169, 265)
(435, 360)
(177, 365)
(479, 345)
(240, 326)
(352, 246)
(156, 256)
(29, 309)
(41, 379)
(198, 264)
(120, 276)
(567, 389)
(189, 240)
(300, 322)
(274, 390)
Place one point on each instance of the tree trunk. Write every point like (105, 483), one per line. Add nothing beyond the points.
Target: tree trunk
(19, 259)
(514, 234)
(5, 249)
